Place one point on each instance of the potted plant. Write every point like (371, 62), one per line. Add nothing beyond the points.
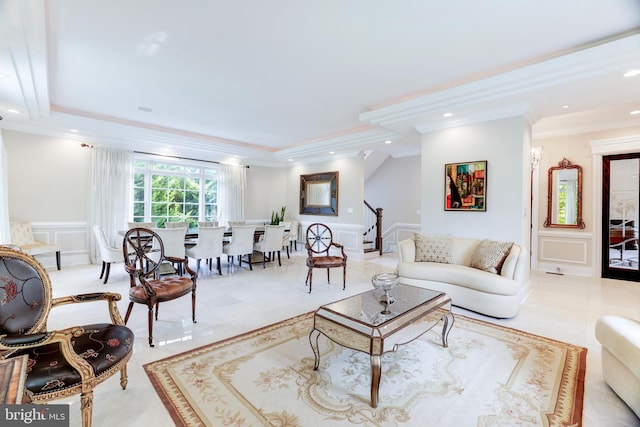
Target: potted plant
(277, 219)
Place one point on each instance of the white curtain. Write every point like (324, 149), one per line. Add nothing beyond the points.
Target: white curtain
(5, 236)
(110, 193)
(232, 181)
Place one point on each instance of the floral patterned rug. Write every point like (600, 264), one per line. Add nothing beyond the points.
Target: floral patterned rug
(489, 375)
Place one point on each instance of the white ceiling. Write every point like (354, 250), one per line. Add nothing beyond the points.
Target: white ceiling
(269, 81)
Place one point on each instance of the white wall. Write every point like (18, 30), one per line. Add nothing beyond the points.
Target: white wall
(505, 145)
(48, 178)
(396, 187)
(266, 192)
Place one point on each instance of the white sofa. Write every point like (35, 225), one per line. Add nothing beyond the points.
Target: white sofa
(620, 339)
(496, 295)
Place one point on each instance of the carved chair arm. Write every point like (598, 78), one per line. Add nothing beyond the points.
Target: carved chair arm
(185, 262)
(64, 337)
(110, 297)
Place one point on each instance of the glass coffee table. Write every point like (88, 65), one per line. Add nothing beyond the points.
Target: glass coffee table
(366, 323)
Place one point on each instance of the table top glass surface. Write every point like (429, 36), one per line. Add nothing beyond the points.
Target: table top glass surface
(367, 307)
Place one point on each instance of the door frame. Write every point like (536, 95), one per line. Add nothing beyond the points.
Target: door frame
(600, 148)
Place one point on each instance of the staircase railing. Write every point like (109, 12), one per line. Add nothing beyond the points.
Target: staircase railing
(372, 228)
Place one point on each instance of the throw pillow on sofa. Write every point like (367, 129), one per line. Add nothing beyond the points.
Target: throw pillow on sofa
(490, 255)
(433, 248)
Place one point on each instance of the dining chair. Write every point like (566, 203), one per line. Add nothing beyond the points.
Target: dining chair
(270, 242)
(293, 234)
(207, 223)
(209, 246)
(144, 254)
(173, 240)
(63, 362)
(236, 223)
(285, 236)
(319, 245)
(241, 244)
(148, 225)
(108, 253)
(176, 224)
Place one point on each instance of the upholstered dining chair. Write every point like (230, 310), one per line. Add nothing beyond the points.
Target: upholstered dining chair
(241, 244)
(108, 254)
(293, 234)
(63, 362)
(270, 243)
(22, 236)
(148, 225)
(285, 236)
(321, 253)
(209, 246)
(174, 247)
(144, 253)
(176, 224)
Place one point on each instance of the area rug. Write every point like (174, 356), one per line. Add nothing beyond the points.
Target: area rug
(489, 375)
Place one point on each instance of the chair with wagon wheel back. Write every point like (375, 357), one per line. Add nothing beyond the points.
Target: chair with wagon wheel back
(143, 255)
(62, 362)
(321, 252)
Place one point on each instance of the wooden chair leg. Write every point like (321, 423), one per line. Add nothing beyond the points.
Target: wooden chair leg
(250, 264)
(86, 406)
(124, 379)
(157, 308)
(309, 278)
(344, 277)
(279, 263)
(126, 316)
(150, 318)
(58, 259)
(219, 266)
(193, 305)
(328, 277)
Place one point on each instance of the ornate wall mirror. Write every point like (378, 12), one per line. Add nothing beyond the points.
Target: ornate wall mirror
(319, 194)
(564, 199)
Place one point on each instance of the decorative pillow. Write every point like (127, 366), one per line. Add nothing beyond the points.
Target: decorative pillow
(490, 255)
(433, 248)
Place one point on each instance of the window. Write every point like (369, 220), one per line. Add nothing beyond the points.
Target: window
(166, 191)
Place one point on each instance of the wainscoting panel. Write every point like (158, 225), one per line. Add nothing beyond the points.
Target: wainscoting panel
(348, 235)
(565, 252)
(73, 238)
(397, 233)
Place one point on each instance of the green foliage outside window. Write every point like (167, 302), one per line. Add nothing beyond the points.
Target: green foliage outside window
(164, 192)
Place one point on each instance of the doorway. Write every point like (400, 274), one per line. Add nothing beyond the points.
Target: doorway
(620, 216)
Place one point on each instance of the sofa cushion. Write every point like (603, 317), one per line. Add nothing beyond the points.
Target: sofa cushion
(433, 248)
(490, 254)
(459, 275)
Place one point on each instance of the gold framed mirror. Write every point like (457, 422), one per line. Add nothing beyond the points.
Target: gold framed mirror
(319, 194)
(564, 197)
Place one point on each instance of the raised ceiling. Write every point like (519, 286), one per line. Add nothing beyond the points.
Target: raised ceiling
(267, 81)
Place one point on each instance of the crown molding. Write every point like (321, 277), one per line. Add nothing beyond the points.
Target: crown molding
(355, 141)
(23, 26)
(521, 82)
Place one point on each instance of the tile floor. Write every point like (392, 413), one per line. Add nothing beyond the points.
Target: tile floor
(560, 307)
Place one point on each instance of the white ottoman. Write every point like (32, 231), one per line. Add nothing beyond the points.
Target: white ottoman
(620, 339)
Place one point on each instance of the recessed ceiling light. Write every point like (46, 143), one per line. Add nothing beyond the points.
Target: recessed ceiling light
(291, 160)
(387, 142)
(447, 115)
(145, 109)
(634, 112)
(632, 73)
(332, 152)
(73, 130)
(13, 110)
(4, 76)
(565, 106)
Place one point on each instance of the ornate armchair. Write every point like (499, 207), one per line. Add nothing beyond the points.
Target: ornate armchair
(143, 256)
(61, 362)
(319, 244)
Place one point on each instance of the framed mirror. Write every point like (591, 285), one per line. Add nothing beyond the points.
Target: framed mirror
(564, 198)
(319, 194)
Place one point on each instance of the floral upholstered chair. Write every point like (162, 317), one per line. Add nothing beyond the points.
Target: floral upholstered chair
(61, 362)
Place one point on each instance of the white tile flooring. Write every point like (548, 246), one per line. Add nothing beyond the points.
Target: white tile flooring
(560, 307)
